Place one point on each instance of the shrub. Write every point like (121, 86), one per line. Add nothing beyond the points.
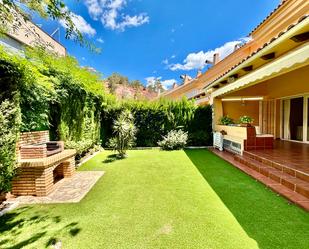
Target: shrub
(124, 130)
(174, 140)
(9, 123)
(81, 147)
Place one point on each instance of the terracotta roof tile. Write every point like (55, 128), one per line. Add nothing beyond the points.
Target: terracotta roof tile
(260, 48)
(269, 15)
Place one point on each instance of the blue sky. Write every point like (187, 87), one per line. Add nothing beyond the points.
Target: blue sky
(146, 39)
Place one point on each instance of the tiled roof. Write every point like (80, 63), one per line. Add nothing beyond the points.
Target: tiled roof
(260, 48)
(269, 15)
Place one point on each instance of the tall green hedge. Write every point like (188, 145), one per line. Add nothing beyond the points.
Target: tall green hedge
(155, 119)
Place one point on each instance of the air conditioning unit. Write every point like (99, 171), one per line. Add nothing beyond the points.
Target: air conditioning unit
(218, 140)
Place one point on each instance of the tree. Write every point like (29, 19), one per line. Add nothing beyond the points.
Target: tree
(13, 13)
(156, 86)
(116, 79)
(136, 84)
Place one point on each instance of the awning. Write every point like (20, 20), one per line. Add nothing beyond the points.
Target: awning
(296, 58)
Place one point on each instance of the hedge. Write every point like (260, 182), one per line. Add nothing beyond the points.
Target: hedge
(155, 119)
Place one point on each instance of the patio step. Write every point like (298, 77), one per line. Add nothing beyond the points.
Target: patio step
(289, 181)
(293, 196)
(284, 168)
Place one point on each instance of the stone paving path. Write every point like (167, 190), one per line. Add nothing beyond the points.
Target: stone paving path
(67, 190)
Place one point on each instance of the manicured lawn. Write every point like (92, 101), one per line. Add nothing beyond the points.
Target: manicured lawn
(154, 199)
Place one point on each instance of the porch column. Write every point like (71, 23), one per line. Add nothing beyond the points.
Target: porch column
(217, 111)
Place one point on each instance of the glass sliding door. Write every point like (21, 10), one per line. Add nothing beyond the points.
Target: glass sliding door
(293, 119)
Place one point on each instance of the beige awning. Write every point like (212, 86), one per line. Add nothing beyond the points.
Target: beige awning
(296, 58)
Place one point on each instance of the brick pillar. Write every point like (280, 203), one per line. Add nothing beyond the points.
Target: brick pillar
(44, 181)
(68, 167)
(24, 181)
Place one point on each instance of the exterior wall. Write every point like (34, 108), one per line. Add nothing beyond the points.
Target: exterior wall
(11, 44)
(30, 35)
(237, 109)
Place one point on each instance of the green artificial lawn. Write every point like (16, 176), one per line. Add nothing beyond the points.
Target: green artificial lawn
(153, 199)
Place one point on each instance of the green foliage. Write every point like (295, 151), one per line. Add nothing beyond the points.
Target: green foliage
(226, 120)
(124, 130)
(55, 94)
(246, 120)
(174, 140)
(14, 13)
(81, 147)
(9, 123)
(155, 119)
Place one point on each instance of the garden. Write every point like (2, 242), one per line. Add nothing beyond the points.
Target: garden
(148, 198)
(162, 199)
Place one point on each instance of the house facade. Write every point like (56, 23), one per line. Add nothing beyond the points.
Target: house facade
(267, 78)
(29, 34)
(271, 83)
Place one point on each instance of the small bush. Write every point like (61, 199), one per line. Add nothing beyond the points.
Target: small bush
(81, 147)
(174, 140)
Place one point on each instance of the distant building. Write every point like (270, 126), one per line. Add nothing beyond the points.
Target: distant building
(29, 34)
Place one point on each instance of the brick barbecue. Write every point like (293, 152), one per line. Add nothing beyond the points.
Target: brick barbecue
(41, 164)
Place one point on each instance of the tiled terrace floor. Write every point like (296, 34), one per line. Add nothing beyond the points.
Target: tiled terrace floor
(284, 169)
(290, 154)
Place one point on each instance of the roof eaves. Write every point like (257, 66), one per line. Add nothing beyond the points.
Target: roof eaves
(267, 17)
(259, 49)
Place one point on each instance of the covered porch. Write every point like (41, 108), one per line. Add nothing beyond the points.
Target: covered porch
(275, 149)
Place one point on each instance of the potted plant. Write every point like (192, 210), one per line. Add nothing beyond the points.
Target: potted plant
(246, 121)
(226, 120)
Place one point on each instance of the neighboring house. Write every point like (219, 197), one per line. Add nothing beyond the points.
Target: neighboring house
(29, 34)
(190, 88)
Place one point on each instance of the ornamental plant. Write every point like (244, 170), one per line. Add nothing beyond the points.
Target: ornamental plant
(174, 140)
(124, 131)
(226, 120)
(246, 120)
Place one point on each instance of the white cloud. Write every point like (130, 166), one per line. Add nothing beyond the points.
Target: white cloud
(100, 40)
(197, 60)
(94, 8)
(173, 56)
(111, 15)
(168, 83)
(81, 24)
